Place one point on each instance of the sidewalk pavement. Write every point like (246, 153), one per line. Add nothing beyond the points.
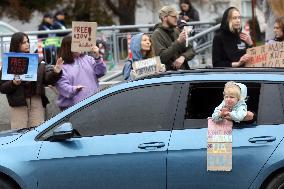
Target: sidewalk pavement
(51, 109)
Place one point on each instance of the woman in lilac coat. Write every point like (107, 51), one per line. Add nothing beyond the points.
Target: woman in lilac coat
(80, 74)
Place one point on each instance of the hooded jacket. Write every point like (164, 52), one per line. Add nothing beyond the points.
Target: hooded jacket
(239, 110)
(168, 48)
(135, 47)
(227, 46)
(192, 13)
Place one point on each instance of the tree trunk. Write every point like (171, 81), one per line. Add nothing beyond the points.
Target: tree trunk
(125, 11)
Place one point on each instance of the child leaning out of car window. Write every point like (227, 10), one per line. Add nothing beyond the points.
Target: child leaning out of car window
(233, 107)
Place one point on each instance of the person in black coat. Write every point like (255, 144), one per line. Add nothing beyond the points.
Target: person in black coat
(27, 99)
(46, 24)
(188, 12)
(230, 43)
(59, 23)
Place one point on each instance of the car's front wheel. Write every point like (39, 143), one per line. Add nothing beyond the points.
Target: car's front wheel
(7, 184)
(277, 182)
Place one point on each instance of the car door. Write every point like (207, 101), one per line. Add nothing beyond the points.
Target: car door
(252, 144)
(123, 144)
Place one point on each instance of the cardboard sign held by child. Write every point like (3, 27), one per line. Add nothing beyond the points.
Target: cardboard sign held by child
(219, 145)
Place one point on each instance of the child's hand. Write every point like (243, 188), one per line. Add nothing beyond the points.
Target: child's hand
(228, 117)
(224, 112)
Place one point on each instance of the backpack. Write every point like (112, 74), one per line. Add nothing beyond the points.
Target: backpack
(127, 69)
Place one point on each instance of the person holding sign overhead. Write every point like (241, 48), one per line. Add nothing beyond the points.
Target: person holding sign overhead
(80, 74)
(27, 98)
(230, 43)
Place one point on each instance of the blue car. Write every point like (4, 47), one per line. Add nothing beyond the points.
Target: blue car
(152, 134)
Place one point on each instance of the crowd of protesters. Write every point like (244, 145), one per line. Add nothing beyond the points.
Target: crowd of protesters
(75, 75)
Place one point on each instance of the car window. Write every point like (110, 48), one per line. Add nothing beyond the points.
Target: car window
(202, 98)
(271, 111)
(149, 108)
(281, 88)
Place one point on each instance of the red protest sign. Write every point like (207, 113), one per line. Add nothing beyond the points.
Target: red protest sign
(18, 65)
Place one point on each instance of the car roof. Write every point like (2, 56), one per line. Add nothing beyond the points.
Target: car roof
(219, 74)
(210, 71)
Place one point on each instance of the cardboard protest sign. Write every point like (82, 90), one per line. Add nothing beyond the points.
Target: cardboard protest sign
(21, 65)
(147, 67)
(270, 55)
(219, 145)
(83, 36)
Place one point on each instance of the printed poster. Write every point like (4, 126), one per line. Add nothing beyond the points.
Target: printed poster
(269, 55)
(21, 66)
(83, 36)
(219, 145)
(147, 67)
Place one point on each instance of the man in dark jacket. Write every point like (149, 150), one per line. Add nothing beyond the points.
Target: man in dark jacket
(59, 23)
(169, 43)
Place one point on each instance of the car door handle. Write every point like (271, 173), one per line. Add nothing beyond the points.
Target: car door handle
(151, 145)
(262, 139)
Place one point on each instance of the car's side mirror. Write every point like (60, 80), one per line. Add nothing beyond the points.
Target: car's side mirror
(61, 133)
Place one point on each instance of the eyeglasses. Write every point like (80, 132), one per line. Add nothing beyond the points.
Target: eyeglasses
(172, 16)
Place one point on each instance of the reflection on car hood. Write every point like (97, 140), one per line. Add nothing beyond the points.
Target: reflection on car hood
(10, 136)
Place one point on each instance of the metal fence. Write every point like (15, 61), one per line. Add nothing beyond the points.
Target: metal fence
(115, 39)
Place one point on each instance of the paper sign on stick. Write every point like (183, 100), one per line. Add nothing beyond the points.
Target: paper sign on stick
(219, 145)
(20, 65)
(83, 36)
